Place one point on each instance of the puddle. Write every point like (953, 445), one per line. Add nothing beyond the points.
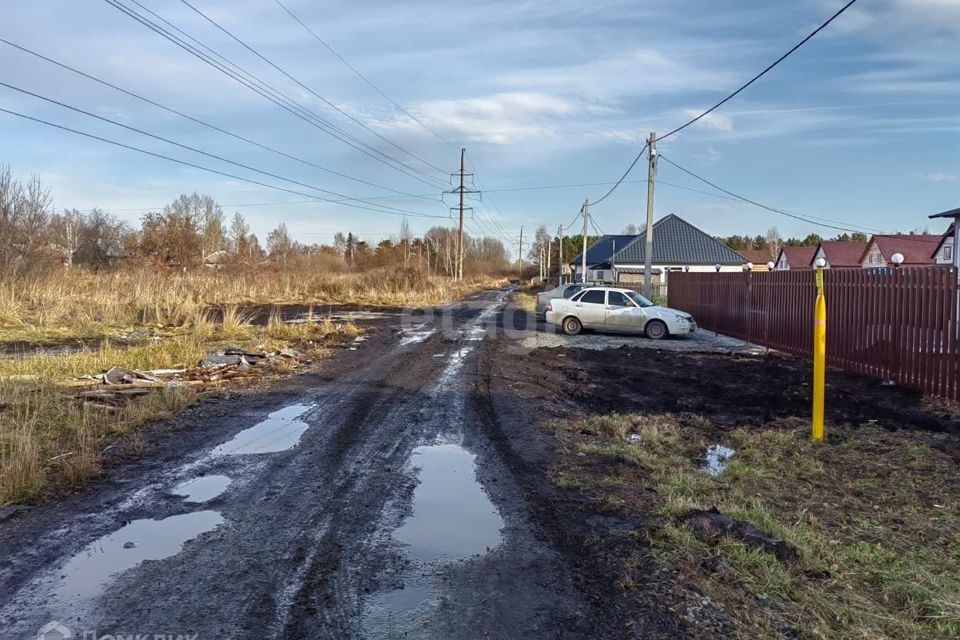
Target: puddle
(86, 573)
(280, 431)
(202, 489)
(390, 613)
(416, 335)
(717, 458)
(452, 516)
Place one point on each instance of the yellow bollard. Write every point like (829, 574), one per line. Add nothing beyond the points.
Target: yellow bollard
(819, 356)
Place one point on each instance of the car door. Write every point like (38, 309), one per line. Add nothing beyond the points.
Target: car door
(622, 314)
(591, 307)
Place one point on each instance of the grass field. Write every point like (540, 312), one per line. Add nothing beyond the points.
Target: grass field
(78, 304)
(872, 516)
(50, 442)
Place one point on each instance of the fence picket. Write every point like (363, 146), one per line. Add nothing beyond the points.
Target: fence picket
(899, 325)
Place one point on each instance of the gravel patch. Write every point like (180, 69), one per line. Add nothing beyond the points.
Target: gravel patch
(701, 341)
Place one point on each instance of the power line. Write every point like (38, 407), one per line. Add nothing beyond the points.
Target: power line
(265, 90)
(762, 73)
(361, 75)
(202, 122)
(624, 176)
(194, 149)
(307, 88)
(732, 95)
(197, 166)
(261, 85)
(757, 204)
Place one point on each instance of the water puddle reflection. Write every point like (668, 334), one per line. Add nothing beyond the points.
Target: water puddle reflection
(717, 458)
(416, 334)
(280, 431)
(85, 574)
(452, 516)
(202, 489)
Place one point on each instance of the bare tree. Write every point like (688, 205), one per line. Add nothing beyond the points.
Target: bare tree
(279, 244)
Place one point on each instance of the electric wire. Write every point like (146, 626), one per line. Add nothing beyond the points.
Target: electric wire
(343, 197)
(769, 67)
(197, 166)
(306, 87)
(758, 204)
(204, 123)
(361, 75)
(261, 86)
(265, 90)
(256, 84)
(732, 95)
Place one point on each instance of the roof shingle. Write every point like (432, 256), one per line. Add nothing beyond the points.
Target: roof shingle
(599, 252)
(677, 242)
(843, 254)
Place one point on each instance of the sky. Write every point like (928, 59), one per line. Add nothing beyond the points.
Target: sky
(859, 129)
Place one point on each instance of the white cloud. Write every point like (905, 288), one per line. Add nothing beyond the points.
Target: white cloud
(938, 177)
(711, 120)
(500, 118)
(634, 73)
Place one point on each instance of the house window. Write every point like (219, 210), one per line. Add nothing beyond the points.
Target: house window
(948, 253)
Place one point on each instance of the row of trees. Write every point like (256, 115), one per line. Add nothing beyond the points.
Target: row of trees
(193, 230)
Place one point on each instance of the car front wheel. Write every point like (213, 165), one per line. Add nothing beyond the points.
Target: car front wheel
(656, 330)
(572, 326)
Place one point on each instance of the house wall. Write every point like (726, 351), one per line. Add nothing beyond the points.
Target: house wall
(944, 254)
(782, 264)
(821, 254)
(874, 258)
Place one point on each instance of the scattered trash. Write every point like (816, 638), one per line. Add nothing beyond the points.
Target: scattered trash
(118, 386)
(634, 438)
(717, 458)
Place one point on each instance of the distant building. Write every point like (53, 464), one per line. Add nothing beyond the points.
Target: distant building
(839, 255)
(794, 258)
(216, 260)
(917, 250)
(758, 257)
(677, 245)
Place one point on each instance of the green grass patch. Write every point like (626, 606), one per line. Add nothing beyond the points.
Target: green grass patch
(874, 520)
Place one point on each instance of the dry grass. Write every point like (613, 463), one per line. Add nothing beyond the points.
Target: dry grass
(81, 304)
(873, 516)
(50, 442)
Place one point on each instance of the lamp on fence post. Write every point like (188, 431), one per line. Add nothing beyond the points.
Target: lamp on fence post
(770, 266)
(897, 260)
(716, 301)
(819, 352)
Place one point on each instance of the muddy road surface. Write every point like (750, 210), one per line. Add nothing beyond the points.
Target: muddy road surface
(364, 500)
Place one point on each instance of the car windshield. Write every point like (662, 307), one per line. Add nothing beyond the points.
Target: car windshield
(639, 299)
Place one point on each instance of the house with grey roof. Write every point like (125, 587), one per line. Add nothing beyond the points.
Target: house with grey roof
(677, 246)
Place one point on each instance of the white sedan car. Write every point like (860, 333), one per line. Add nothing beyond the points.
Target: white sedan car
(617, 310)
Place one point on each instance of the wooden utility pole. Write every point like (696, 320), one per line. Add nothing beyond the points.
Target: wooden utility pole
(648, 249)
(586, 220)
(560, 259)
(549, 250)
(463, 153)
(520, 258)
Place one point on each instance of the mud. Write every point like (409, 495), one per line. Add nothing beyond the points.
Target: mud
(370, 498)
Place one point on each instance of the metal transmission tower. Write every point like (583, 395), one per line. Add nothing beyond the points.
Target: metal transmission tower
(462, 191)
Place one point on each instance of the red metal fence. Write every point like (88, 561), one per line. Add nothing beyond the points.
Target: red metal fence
(898, 325)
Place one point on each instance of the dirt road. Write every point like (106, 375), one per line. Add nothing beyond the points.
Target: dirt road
(373, 499)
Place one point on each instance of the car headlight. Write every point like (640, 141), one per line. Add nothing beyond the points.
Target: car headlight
(680, 318)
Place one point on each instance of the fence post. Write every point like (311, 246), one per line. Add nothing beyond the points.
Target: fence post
(819, 354)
